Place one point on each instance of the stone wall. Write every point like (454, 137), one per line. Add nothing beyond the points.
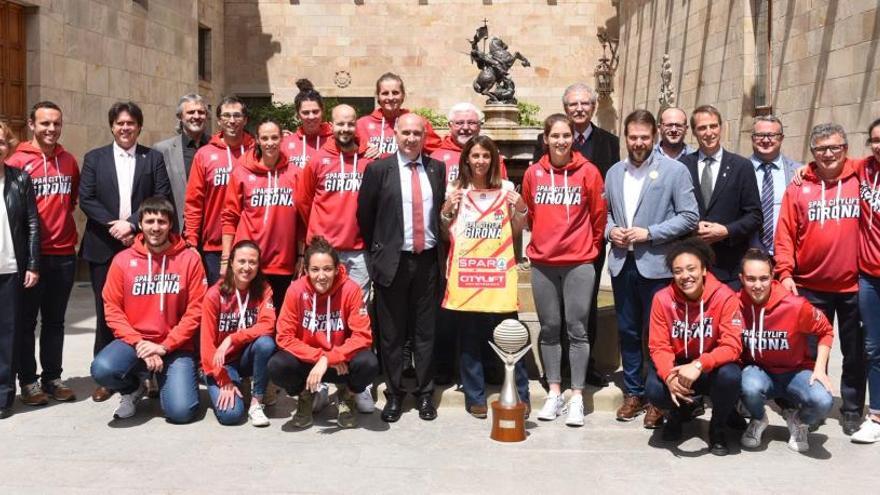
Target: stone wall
(824, 63)
(271, 43)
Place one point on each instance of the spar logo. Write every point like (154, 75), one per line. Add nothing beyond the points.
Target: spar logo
(389, 145)
(221, 176)
(832, 209)
(52, 185)
(482, 264)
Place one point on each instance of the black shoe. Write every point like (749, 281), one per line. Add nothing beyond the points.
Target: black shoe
(5, 412)
(427, 411)
(672, 428)
(717, 441)
(393, 408)
(850, 422)
(596, 379)
(736, 421)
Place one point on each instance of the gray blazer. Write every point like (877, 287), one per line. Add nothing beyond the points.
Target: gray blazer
(666, 207)
(172, 150)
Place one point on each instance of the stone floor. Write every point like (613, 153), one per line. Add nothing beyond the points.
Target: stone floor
(78, 448)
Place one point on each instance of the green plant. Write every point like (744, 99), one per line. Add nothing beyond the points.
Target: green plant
(435, 118)
(283, 113)
(528, 114)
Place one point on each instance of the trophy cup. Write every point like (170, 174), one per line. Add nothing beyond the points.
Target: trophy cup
(508, 413)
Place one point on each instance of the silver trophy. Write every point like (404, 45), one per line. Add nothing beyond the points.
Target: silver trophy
(510, 336)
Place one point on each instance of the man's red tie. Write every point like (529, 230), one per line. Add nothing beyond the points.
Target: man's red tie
(418, 215)
(580, 141)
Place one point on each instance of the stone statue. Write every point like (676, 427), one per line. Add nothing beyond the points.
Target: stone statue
(494, 79)
(667, 92)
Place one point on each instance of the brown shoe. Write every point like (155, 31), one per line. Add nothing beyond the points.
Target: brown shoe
(101, 394)
(479, 411)
(59, 391)
(631, 408)
(33, 395)
(653, 417)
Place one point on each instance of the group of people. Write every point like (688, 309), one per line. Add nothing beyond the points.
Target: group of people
(322, 254)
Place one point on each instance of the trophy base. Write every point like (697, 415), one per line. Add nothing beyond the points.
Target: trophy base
(508, 423)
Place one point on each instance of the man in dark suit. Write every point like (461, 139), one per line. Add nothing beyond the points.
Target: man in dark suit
(115, 179)
(603, 149)
(727, 194)
(399, 217)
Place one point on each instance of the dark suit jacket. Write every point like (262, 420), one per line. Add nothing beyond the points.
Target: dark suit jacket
(380, 213)
(99, 196)
(602, 148)
(735, 203)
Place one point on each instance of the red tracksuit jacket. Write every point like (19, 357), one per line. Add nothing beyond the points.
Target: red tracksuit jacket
(567, 211)
(223, 317)
(682, 330)
(206, 191)
(328, 193)
(56, 185)
(817, 237)
(300, 148)
(334, 324)
(774, 336)
(155, 297)
(374, 129)
(868, 172)
(449, 153)
(260, 207)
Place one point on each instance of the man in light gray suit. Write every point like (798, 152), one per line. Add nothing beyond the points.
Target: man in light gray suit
(179, 150)
(773, 171)
(651, 203)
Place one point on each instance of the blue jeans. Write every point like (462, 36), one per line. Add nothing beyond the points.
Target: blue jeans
(253, 361)
(633, 294)
(475, 331)
(813, 401)
(211, 260)
(869, 307)
(118, 368)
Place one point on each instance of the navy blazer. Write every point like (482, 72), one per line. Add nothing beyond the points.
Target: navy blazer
(735, 203)
(99, 196)
(602, 148)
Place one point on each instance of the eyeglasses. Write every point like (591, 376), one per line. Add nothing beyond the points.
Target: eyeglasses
(673, 125)
(462, 123)
(231, 116)
(834, 149)
(760, 136)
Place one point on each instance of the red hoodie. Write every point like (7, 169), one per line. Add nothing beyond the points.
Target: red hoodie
(774, 336)
(567, 211)
(301, 148)
(260, 207)
(56, 185)
(206, 191)
(222, 317)
(334, 324)
(155, 297)
(682, 330)
(374, 130)
(818, 232)
(328, 194)
(450, 154)
(868, 171)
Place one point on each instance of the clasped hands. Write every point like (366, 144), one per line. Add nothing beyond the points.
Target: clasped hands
(681, 381)
(151, 353)
(622, 237)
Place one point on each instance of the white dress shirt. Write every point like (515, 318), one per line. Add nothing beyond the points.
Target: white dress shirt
(633, 180)
(716, 165)
(125, 163)
(406, 202)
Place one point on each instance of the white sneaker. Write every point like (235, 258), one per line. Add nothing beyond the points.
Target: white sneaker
(321, 398)
(798, 432)
(257, 416)
(364, 402)
(127, 403)
(751, 438)
(869, 432)
(552, 408)
(575, 409)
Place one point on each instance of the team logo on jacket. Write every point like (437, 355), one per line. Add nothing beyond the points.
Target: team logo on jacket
(832, 209)
(228, 321)
(342, 181)
(52, 185)
(221, 176)
(271, 196)
(452, 173)
(869, 195)
(767, 340)
(685, 331)
(298, 160)
(389, 145)
(317, 322)
(558, 195)
(144, 285)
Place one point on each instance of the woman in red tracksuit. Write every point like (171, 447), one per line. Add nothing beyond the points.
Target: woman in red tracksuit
(260, 207)
(567, 213)
(377, 129)
(300, 146)
(238, 323)
(324, 335)
(694, 342)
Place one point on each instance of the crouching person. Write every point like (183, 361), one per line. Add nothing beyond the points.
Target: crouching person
(153, 302)
(323, 335)
(694, 342)
(777, 325)
(238, 327)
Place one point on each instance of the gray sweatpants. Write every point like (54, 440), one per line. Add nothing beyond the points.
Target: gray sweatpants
(555, 288)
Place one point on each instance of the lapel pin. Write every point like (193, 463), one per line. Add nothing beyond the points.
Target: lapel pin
(653, 175)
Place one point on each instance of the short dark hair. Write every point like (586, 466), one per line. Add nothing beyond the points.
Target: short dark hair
(231, 100)
(307, 92)
(390, 76)
(465, 174)
(755, 254)
(640, 116)
(258, 284)
(693, 246)
(872, 126)
(128, 107)
(51, 105)
(320, 245)
(156, 205)
(705, 109)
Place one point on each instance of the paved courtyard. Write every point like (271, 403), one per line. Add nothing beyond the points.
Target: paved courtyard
(78, 448)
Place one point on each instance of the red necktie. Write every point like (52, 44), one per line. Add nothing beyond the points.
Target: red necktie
(418, 215)
(580, 141)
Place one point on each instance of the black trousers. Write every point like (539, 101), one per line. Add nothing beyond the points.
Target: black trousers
(409, 304)
(279, 284)
(593, 321)
(10, 294)
(103, 334)
(290, 372)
